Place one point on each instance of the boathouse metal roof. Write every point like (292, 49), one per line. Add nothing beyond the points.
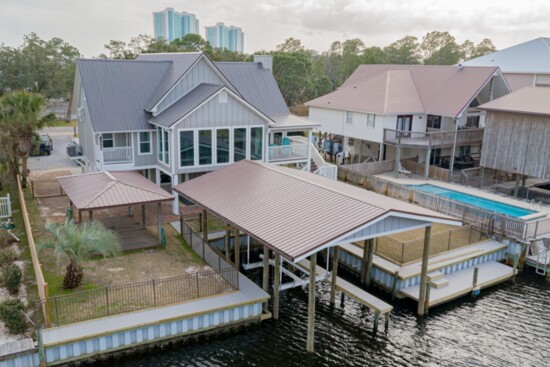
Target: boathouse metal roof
(528, 100)
(99, 190)
(297, 213)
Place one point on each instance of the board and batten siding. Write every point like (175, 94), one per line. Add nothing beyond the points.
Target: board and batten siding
(517, 143)
(334, 122)
(201, 72)
(144, 160)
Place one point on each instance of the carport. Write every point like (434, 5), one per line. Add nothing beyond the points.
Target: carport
(296, 215)
(104, 190)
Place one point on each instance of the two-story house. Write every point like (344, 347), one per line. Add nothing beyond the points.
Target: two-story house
(176, 116)
(388, 112)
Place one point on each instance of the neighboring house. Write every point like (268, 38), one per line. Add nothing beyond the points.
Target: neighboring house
(176, 116)
(396, 111)
(517, 133)
(523, 65)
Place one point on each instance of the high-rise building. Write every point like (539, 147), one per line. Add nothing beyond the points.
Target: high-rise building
(170, 24)
(222, 36)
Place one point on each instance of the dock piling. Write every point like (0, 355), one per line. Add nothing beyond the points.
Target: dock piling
(394, 285)
(376, 317)
(386, 321)
(335, 256)
(266, 275)
(475, 288)
(276, 286)
(311, 304)
(424, 271)
(368, 275)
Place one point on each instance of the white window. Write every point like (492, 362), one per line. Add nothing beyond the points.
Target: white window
(145, 142)
(370, 120)
(349, 117)
(108, 141)
(163, 146)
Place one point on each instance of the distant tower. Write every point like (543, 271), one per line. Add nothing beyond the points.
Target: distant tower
(170, 24)
(221, 36)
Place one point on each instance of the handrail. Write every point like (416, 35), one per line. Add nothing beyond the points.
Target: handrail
(323, 168)
(117, 155)
(432, 138)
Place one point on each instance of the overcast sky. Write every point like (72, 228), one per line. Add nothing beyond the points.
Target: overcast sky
(89, 24)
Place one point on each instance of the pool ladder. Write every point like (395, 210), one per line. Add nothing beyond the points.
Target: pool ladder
(542, 257)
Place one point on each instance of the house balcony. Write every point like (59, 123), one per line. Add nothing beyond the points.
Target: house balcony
(118, 155)
(432, 139)
(291, 150)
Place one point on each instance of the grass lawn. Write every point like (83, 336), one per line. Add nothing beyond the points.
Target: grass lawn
(62, 123)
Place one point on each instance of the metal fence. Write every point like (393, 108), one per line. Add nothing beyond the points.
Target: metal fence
(113, 300)
(206, 252)
(5, 207)
(45, 187)
(406, 252)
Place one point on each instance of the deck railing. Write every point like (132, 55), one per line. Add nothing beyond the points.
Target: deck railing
(432, 139)
(323, 168)
(118, 299)
(117, 155)
(290, 152)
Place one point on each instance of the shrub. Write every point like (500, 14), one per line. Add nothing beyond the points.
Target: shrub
(5, 238)
(12, 278)
(7, 256)
(11, 314)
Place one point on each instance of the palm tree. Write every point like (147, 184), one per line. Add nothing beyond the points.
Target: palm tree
(72, 244)
(21, 114)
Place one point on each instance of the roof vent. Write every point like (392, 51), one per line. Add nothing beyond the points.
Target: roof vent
(459, 67)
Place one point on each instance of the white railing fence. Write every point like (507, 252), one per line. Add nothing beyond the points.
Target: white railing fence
(323, 168)
(117, 155)
(294, 151)
(5, 206)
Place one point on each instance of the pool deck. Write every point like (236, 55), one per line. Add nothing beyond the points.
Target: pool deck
(416, 180)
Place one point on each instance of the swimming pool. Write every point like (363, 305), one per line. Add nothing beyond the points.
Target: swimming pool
(495, 206)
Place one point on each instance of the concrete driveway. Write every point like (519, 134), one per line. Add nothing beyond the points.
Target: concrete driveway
(61, 136)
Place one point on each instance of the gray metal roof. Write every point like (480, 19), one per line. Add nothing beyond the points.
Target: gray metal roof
(256, 85)
(185, 104)
(181, 62)
(117, 90)
(291, 211)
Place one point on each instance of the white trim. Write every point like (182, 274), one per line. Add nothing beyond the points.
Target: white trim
(161, 144)
(150, 143)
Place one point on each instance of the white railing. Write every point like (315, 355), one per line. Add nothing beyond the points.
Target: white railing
(291, 152)
(5, 207)
(117, 155)
(323, 168)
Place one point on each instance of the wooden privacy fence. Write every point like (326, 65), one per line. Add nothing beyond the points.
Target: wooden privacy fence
(45, 187)
(406, 252)
(436, 173)
(39, 276)
(118, 299)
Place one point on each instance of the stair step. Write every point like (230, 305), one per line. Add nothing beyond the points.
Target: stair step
(439, 283)
(436, 275)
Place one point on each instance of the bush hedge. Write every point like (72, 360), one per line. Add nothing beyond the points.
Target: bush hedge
(11, 275)
(7, 256)
(12, 315)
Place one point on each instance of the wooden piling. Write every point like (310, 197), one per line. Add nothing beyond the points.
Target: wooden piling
(311, 304)
(364, 261)
(424, 271)
(394, 285)
(370, 256)
(376, 317)
(276, 286)
(335, 256)
(228, 244)
(386, 321)
(143, 224)
(266, 275)
(427, 301)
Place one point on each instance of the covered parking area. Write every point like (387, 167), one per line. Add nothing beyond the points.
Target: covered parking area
(90, 192)
(295, 215)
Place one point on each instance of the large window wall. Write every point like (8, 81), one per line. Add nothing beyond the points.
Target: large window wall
(207, 147)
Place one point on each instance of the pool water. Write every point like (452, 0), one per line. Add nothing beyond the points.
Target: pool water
(480, 202)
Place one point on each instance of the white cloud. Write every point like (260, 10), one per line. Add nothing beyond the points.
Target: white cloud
(88, 25)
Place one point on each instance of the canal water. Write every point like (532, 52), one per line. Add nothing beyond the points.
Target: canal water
(507, 325)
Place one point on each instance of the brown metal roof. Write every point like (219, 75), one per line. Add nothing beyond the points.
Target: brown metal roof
(110, 189)
(528, 100)
(408, 89)
(292, 212)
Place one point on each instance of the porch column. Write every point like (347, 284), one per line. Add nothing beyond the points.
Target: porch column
(370, 255)
(424, 272)
(276, 285)
(143, 216)
(237, 249)
(381, 153)
(159, 221)
(516, 188)
(311, 304)
(427, 166)
(309, 147)
(157, 176)
(90, 215)
(335, 256)
(176, 202)
(266, 275)
(397, 160)
(79, 216)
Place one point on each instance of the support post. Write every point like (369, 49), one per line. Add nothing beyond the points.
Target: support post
(159, 221)
(311, 304)
(386, 321)
(481, 175)
(204, 231)
(376, 317)
(237, 249)
(452, 163)
(516, 188)
(335, 256)
(424, 271)
(474, 282)
(394, 285)
(370, 256)
(228, 244)
(90, 215)
(266, 275)
(427, 301)
(143, 223)
(276, 284)
(309, 147)
(364, 261)
(397, 160)
(80, 216)
(176, 202)
(427, 166)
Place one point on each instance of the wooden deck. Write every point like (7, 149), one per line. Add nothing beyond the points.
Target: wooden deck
(131, 233)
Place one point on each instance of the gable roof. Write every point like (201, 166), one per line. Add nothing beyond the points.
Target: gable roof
(117, 90)
(401, 89)
(274, 204)
(528, 57)
(185, 105)
(110, 189)
(256, 85)
(529, 100)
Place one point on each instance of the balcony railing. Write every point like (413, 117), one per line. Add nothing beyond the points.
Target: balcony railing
(291, 152)
(117, 155)
(432, 139)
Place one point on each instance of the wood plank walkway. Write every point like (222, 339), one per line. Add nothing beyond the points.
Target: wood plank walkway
(130, 232)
